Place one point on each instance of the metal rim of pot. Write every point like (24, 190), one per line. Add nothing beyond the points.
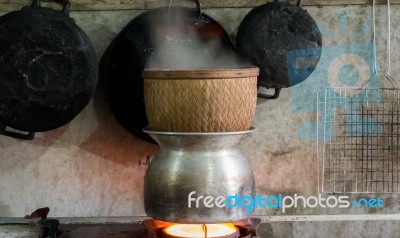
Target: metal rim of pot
(251, 130)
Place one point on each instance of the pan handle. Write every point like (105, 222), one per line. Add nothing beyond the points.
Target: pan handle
(66, 4)
(35, 3)
(275, 96)
(299, 2)
(17, 135)
(198, 5)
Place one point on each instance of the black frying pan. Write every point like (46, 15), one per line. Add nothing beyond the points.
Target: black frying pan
(185, 29)
(48, 69)
(277, 36)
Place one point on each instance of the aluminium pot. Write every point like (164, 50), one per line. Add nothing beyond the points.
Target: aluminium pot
(48, 69)
(283, 41)
(140, 45)
(209, 164)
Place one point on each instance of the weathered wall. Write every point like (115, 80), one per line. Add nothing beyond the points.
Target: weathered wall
(90, 167)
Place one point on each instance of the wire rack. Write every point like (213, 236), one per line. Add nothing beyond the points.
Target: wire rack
(359, 133)
(359, 146)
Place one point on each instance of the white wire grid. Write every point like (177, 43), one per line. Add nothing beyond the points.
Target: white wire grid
(359, 140)
(359, 134)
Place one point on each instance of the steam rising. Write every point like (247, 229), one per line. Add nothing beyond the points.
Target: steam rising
(183, 40)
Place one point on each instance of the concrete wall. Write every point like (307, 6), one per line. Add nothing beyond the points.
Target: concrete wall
(90, 167)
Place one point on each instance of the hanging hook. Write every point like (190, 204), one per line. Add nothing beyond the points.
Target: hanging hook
(388, 76)
(66, 6)
(395, 83)
(197, 2)
(169, 6)
(35, 3)
(374, 54)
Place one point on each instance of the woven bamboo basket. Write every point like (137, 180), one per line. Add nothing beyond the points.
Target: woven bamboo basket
(201, 100)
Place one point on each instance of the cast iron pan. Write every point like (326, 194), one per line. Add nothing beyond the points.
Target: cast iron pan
(275, 37)
(48, 69)
(182, 29)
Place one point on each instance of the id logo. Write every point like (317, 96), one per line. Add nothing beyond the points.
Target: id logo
(348, 62)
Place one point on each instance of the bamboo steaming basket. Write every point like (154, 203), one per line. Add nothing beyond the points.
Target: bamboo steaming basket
(201, 100)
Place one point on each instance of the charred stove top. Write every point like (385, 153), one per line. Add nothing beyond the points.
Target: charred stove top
(123, 227)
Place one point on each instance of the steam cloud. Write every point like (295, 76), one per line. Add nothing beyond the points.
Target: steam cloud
(182, 41)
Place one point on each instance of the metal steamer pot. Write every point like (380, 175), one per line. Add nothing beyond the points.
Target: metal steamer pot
(165, 32)
(48, 69)
(190, 165)
(283, 41)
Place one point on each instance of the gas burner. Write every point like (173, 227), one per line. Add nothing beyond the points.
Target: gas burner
(242, 229)
(208, 230)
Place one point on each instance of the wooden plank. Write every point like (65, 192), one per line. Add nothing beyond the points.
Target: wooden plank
(9, 5)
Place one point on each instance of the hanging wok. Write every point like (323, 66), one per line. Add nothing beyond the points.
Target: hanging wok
(160, 38)
(283, 41)
(48, 69)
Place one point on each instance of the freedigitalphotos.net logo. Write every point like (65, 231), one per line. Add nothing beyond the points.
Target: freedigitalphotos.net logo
(250, 203)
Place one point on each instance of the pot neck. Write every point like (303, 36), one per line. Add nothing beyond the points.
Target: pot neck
(199, 141)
